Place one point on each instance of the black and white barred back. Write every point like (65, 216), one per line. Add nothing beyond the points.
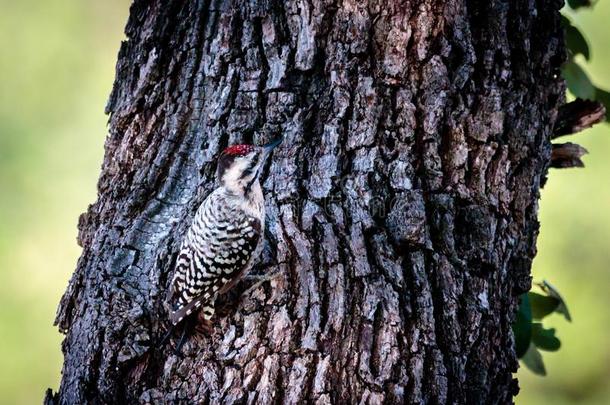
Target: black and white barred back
(219, 248)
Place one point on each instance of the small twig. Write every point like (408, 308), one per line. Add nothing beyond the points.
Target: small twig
(566, 155)
(577, 116)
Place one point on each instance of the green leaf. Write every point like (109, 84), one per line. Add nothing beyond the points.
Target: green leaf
(522, 328)
(575, 40)
(576, 4)
(603, 97)
(533, 360)
(577, 80)
(542, 305)
(545, 339)
(562, 308)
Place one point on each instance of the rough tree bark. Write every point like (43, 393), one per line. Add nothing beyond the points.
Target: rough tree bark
(402, 203)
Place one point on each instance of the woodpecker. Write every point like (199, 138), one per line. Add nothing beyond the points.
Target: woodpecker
(225, 237)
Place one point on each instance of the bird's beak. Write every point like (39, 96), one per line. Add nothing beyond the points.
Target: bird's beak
(269, 147)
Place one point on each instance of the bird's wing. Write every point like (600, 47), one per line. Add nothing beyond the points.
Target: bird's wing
(215, 253)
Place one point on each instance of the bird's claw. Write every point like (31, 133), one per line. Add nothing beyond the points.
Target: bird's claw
(259, 280)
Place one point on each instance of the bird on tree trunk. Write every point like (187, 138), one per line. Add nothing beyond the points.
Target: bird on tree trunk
(225, 237)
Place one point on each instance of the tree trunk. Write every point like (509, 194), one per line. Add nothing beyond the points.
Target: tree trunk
(401, 205)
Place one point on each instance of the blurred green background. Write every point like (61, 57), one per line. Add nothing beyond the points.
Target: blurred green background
(574, 251)
(56, 71)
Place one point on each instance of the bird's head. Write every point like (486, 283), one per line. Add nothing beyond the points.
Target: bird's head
(239, 166)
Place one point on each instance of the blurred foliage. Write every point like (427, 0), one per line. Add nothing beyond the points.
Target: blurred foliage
(530, 336)
(578, 82)
(57, 63)
(57, 66)
(574, 241)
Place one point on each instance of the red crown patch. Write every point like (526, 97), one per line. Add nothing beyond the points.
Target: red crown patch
(238, 150)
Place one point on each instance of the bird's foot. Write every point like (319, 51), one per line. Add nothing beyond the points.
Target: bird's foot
(254, 277)
(259, 280)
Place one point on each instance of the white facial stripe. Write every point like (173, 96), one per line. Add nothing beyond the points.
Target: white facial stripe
(232, 177)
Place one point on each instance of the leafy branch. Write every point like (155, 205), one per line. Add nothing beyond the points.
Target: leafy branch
(530, 334)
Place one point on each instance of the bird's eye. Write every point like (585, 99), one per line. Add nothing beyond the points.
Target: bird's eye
(248, 172)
